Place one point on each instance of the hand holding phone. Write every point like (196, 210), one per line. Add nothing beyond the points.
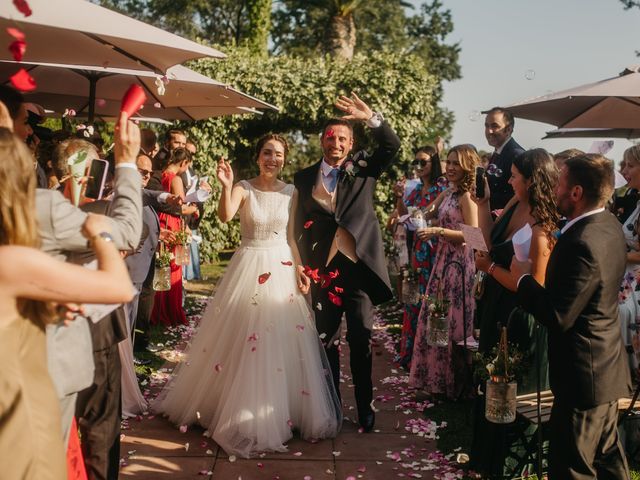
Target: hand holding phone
(97, 178)
(480, 176)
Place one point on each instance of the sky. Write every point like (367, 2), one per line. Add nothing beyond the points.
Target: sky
(513, 50)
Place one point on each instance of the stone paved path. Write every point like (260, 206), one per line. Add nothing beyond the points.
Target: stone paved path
(152, 448)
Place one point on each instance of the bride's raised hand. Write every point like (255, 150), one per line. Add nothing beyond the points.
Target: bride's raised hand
(224, 173)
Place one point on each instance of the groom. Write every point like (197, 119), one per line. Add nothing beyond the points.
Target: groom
(340, 243)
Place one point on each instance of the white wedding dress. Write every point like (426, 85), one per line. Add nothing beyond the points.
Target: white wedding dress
(256, 369)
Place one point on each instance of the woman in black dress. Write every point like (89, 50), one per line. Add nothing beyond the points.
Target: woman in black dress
(533, 176)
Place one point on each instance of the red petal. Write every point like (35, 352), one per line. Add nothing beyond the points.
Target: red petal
(22, 81)
(335, 299)
(23, 7)
(339, 290)
(308, 223)
(325, 281)
(334, 274)
(264, 277)
(15, 33)
(329, 133)
(17, 49)
(288, 264)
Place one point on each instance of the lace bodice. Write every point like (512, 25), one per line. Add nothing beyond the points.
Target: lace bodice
(264, 215)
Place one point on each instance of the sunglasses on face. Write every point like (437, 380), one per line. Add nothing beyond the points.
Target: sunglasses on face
(145, 173)
(422, 163)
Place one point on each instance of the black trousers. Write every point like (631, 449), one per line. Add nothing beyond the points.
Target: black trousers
(145, 307)
(98, 411)
(359, 310)
(584, 444)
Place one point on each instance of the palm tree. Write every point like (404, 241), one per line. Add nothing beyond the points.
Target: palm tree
(340, 36)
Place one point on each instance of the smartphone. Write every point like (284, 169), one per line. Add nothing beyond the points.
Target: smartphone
(97, 178)
(480, 172)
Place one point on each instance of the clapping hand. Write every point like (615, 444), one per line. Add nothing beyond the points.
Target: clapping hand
(225, 173)
(355, 108)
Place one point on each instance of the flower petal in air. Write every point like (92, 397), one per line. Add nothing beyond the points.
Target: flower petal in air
(17, 49)
(287, 263)
(23, 7)
(308, 223)
(335, 299)
(22, 81)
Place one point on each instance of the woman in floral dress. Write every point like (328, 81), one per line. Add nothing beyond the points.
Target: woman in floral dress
(439, 370)
(428, 169)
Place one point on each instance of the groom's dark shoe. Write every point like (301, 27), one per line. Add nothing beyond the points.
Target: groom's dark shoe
(367, 420)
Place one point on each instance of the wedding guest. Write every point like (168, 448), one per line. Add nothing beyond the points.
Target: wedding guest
(70, 352)
(149, 142)
(625, 198)
(433, 369)
(167, 305)
(579, 306)
(422, 252)
(629, 308)
(561, 157)
(172, 139)
(192, 270)
(533, 176)
(498, 130)
(30, 435)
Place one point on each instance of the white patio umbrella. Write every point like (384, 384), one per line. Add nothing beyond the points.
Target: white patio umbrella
(610, 103)
(78, 32)
(188, 95)
(628, 133)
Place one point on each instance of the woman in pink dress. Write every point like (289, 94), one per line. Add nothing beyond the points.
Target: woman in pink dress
(167, 306)
(440, 370)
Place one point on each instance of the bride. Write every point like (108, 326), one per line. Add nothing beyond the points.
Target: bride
(256, 369)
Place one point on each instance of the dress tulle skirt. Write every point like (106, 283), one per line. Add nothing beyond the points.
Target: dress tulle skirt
(256, 369)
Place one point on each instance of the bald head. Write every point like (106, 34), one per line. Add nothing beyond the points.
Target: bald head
(145, 166)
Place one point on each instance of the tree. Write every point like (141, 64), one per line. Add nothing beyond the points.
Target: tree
(304, 89)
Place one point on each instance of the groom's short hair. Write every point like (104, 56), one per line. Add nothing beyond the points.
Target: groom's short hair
(337, 121)
(594, 173)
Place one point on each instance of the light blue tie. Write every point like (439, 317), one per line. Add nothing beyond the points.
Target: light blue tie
(331, 180)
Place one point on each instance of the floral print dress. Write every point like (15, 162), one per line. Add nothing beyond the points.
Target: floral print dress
(629, 298)
(441, 370)
(422, 256)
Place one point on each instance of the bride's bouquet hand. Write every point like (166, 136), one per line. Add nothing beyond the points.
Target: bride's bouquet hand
(304, 282)
(225, 173)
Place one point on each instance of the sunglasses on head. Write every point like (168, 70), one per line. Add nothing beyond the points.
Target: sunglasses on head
(145, 173)
(422, 163)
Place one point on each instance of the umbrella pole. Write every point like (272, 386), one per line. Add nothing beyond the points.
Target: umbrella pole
(93, 80)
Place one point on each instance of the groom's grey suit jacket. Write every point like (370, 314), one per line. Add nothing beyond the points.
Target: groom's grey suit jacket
(69, 349)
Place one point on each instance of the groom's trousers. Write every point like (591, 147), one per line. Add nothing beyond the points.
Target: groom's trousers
(329, 303)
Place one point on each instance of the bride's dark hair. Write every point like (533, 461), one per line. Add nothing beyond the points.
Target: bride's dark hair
(272, 136)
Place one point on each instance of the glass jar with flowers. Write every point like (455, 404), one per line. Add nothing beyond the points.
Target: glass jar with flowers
(182, 245)
(438, 320)
(162, 272)
(410, 286)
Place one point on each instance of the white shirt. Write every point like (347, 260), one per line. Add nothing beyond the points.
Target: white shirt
(567, 226)
(501, 147)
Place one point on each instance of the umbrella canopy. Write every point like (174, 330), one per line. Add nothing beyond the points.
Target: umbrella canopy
(188, 95)
(628, 133)
(610, 103)
(78, 32)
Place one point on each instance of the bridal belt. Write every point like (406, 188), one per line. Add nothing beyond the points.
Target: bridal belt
(255, 243)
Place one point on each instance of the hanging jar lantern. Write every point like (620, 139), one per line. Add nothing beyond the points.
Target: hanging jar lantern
(182, 254)
(501, 391)
(410, 289)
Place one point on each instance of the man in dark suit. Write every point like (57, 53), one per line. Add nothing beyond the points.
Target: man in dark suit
(579, 306)
(340, 242)
(498, 128)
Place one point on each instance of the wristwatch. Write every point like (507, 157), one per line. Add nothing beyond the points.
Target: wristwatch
(442, 233)
(106, 236)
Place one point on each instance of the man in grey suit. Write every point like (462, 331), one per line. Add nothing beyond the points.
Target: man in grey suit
(69, 347)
